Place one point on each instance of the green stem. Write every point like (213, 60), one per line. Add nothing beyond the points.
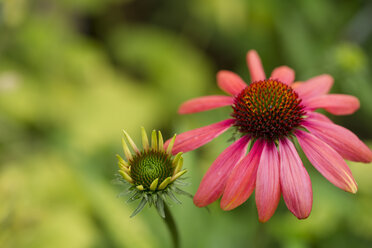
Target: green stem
(169, 220)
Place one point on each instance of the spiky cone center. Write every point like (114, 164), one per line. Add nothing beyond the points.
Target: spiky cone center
(267, 109)
(149, 166)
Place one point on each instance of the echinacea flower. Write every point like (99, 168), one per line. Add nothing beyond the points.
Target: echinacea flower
(270, 114)
(152, 173)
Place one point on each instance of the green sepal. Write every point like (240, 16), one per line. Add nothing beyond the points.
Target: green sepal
(160, 207)
(154, 198)
(137, 194)
(139, 207)
(148, 199)
(173, 197)
(181, 192)
(166, 199)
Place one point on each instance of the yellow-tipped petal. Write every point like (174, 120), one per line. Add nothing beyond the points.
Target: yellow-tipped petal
(165, 183)
(179, 166)
(145, 140)
(120, 160)
(161, 141)
(124, 168)
(126, 176)
(123, 164)
(170, 145)
(126, 150)
(178, 175)
(154, 140)
(132, 144)
(140, 187)
(176, 158)
(154, 184)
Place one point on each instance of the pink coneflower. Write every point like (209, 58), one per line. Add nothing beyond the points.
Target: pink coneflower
(270, 113)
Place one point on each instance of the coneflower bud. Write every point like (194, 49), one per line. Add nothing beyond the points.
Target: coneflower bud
(152, 173)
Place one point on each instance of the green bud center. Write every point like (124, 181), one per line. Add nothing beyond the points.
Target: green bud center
(149, 165)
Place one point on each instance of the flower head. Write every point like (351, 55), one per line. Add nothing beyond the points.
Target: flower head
(152, 173)
(267, 109)
(270, 114)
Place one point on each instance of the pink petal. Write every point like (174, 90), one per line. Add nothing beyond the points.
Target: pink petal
(193, 139)
(295, 181)
(242, 179)
(255, 66)
(315, 86)
(284, 74)
(336, 104)
(342, 140)
(267, 182)
(205, 103)
(214, 181)
(296, 84)
(230, 82)
(318, 116)
(327, 161)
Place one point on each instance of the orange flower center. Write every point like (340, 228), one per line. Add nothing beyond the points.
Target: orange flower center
(267, 109)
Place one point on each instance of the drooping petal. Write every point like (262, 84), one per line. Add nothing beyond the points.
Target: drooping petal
(230, 82)
(284, 74)
(214, 181)
(315, 86)
(327, 161)
(295, 181)
(255, 66)
(342, 140)
(242, 179)
(267, 182)
(336, 104)
(193, 139)
(318, 116)
(205, 103)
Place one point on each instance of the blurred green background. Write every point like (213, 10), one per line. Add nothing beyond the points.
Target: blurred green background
(73, 73)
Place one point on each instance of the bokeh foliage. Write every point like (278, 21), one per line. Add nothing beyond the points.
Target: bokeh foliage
(73, 73)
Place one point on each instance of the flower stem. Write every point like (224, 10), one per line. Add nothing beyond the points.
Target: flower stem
(169, 220)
